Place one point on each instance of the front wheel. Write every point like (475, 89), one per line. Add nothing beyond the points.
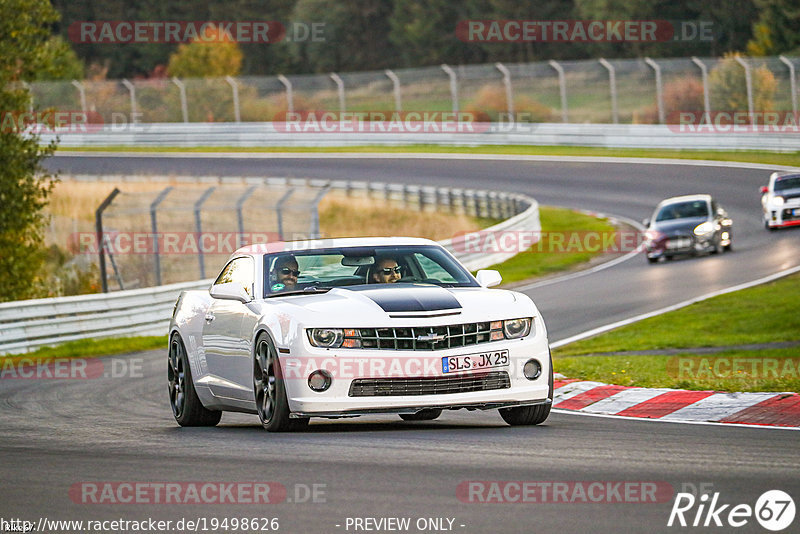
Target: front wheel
(186, 406)
(530, 415)
(270, 389)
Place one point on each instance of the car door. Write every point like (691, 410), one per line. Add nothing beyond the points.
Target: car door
(227, 349)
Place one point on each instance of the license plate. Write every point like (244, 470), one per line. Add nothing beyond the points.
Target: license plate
(470, 362)
(796, 212)
(681, 242)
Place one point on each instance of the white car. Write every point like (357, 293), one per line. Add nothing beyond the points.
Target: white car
(780, 200)
(291, 331)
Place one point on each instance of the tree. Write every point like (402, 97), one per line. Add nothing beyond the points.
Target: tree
(777, 30)
(729, 88)
(212, 59)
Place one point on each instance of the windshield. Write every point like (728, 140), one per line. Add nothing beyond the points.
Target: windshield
(682, 210)
(790, 182)
(320, 270)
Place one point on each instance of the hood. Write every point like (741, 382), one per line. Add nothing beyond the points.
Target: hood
(409, 297)
(676, 226)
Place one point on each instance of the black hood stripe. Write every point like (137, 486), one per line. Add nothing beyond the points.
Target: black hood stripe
(409, 297)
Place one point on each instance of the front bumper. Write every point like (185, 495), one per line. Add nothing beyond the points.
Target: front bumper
(782, 216)
(348, 365)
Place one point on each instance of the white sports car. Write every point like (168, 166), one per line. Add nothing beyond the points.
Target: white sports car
(348, 327)
(780, 200)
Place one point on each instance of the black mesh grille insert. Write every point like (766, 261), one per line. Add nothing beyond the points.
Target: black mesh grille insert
(436, 385)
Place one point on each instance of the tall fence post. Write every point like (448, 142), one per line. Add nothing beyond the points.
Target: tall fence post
(612, 84)
(289, 95)
(398, 101)
(509, 90)
(134, 109)
(198, 227)
(562, 88)
(706, 96)
(154, 229)
(184, 104)
(748, 82)
(315, 211)
(279, 211)
(237, 112)
(101, 243)
(339, 89)
(239, 213)
(792, 81)
(82, 92)
(453, 86)
(659, 89)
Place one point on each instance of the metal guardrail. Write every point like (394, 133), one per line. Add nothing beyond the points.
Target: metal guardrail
(268, 134)
(27, 325)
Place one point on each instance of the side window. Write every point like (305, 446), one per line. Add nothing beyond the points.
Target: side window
(239, 270)
(433, 270)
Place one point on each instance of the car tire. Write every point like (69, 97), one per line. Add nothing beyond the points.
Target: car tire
(422, 415)
(270, 390)
(530, 415)
(186, 406)
(652, 260)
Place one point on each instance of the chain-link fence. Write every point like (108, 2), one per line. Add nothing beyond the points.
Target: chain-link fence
(186, 232)
(643, 91)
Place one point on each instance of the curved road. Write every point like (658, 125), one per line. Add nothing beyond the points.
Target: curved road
(57, 434)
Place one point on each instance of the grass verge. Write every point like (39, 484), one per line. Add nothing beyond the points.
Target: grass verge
(752, 156)
(758, 315)
(88, 348)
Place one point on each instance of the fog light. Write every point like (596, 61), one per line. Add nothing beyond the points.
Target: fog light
(319, 380)
(532, 369)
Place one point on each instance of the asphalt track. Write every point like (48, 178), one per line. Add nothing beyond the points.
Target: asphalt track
(60, 433)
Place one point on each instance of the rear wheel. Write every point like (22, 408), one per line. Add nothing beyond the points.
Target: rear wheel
(186, 406)
(422, 415)
(270, 389)
(530, 415)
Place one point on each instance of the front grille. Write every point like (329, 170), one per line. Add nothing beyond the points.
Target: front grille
(458, 335)
(436, 385)
(787, 215)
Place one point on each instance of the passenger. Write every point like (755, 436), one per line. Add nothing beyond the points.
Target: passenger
(385, 271)
(284, 274)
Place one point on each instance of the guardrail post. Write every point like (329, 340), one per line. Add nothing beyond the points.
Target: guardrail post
(562, 89)
(659, 89)
(453, 86)
(132, 91)
(792, 82)
(289, 95)
(279, 211)
(339, 89)
(239, 214)
(315, 211)
(198, 227)
(82, 92)
(154, 228)
(612, 83)
(398, 102)
(748, 82)
(237, 113)
(184, 105)
(509, 90)
(98, 225)
(706, 97)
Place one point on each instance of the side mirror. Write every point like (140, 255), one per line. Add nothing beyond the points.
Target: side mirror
(488, 278)
(230, 291)
(646, 222)
(764, 189)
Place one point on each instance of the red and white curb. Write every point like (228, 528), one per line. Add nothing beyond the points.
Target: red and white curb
(765, 409)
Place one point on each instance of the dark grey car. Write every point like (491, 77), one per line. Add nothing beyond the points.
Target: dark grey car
(687, 225)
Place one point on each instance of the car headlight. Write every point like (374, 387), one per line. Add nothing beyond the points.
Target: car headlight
(778, 200)
(329, 338)
(652, 235)
(516, 328)
(703, 228)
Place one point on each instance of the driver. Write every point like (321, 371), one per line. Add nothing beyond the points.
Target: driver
(284, 274)
(386, 271)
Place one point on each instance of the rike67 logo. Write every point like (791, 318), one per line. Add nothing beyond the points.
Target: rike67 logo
(774, 510)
